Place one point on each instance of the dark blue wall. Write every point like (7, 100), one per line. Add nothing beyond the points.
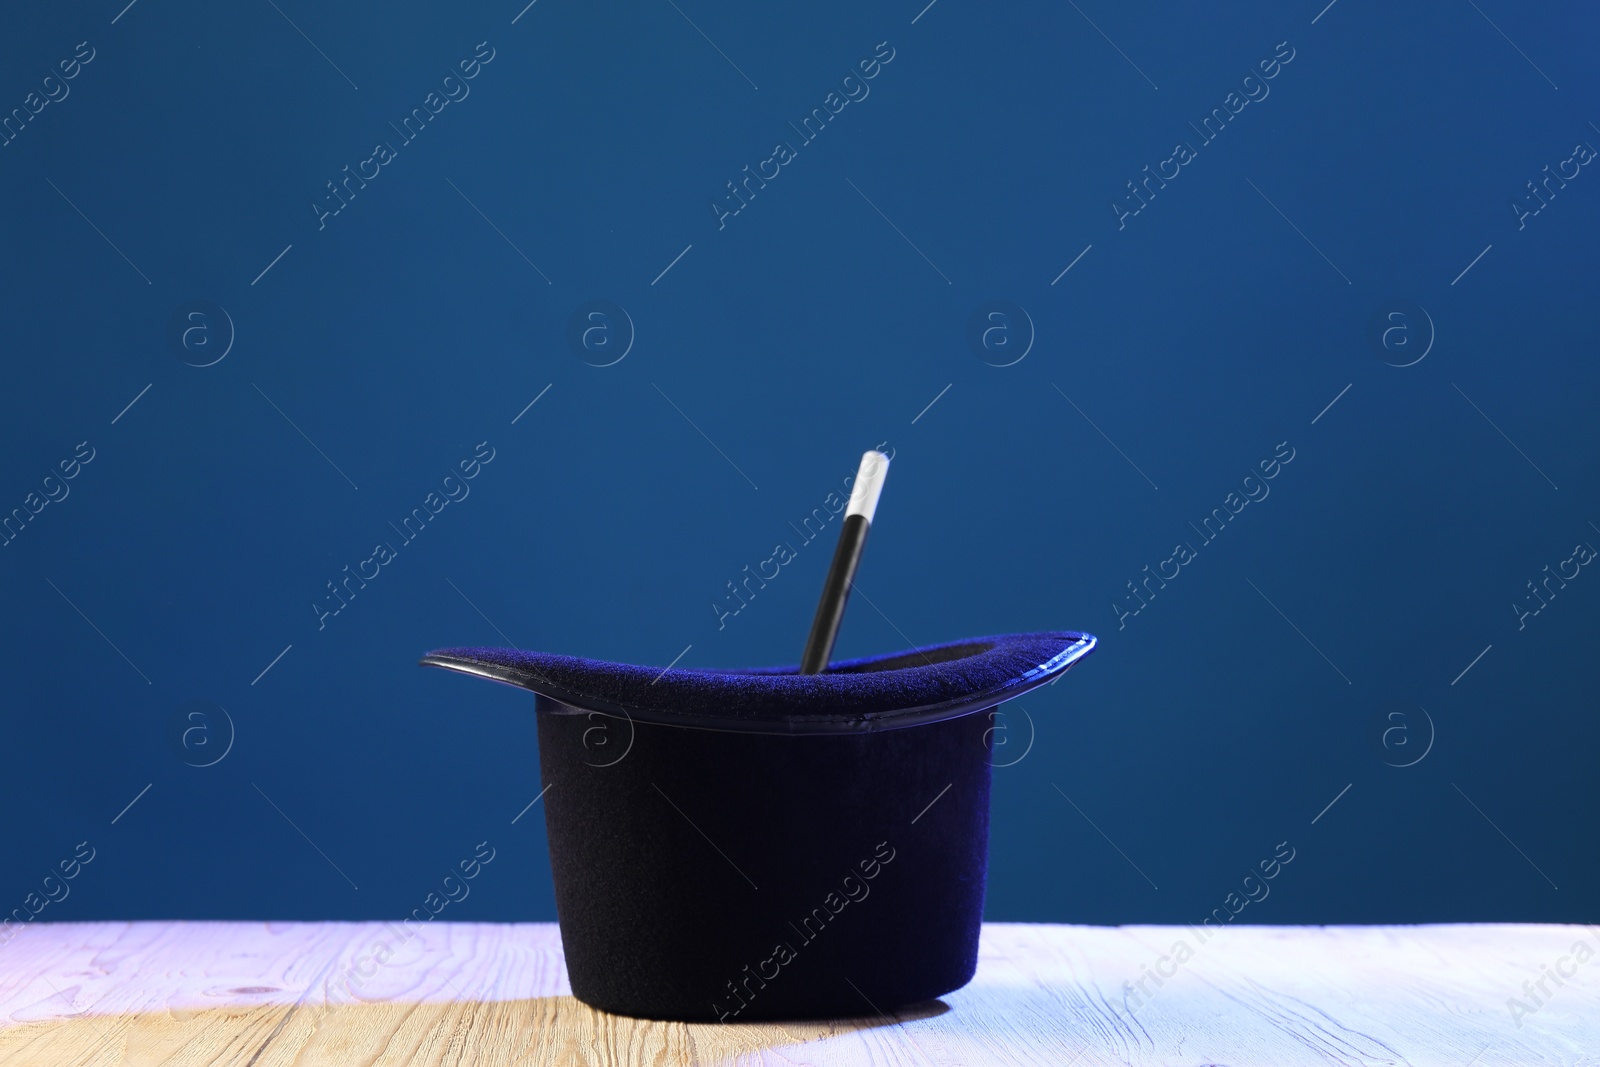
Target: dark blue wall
(1351, 634)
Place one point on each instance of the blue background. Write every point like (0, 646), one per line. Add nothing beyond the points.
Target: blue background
(379, 349)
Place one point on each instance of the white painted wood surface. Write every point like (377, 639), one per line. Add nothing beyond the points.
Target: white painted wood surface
(270, 994)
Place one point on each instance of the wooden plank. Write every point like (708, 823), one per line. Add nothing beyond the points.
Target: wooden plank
(307, 994)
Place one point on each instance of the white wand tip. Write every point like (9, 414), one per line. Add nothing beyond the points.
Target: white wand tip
(868, 486)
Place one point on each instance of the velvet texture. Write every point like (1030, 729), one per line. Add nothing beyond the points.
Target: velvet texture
(737, 845)
(877, 692)
(712, 875)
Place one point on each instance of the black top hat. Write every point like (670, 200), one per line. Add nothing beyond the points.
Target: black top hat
(761, 843)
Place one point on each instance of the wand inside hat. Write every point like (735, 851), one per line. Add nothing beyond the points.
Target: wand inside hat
(846, 557)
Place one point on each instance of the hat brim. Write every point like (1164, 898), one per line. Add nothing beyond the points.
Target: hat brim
(884, 692)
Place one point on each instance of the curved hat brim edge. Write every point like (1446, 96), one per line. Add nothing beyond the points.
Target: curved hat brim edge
(574, 702)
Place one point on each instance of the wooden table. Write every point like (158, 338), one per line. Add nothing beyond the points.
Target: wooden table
(306, 994)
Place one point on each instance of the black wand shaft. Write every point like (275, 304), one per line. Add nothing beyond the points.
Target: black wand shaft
(835, 594)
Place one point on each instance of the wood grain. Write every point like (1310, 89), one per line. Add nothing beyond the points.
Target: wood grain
(306, 994)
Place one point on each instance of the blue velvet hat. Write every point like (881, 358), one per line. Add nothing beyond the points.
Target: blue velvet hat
(757, 844)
